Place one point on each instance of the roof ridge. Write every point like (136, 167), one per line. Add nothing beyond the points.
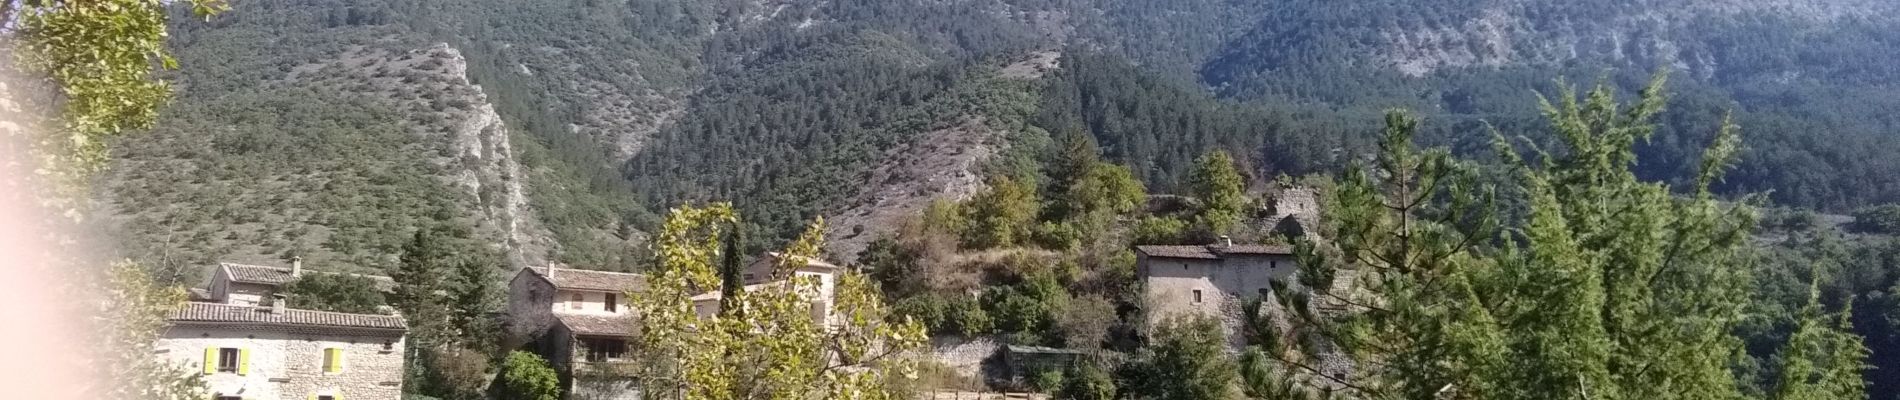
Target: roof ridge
(537, 270)
(287, 309)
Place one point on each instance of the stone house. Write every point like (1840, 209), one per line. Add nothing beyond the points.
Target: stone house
(251, 285)
(275, 353)
(579, 320)
(1213, 280)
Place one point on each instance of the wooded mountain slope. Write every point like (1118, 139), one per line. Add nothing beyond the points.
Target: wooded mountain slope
(616, 110)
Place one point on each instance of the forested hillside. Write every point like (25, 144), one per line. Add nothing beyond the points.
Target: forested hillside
(315, 125)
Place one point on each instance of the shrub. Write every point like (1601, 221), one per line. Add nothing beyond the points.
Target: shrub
(525, 376)
(1057, 236)
(1087, 381)
(1160, 230)
(1047, 381)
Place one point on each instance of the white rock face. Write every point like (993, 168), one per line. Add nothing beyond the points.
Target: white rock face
(491, 174)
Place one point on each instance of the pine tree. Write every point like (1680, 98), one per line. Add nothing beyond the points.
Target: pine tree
(1607, 288)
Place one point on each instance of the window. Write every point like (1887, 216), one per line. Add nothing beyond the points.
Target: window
(1263, 293)
(1273, 265)
(574, 302)
(326, 397)
(228, 360)
(1197, 295)
(612, 303)
(332, 360)
(223, 397)
(599, 349)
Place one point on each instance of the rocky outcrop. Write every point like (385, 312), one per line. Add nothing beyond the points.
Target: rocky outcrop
(943, 164)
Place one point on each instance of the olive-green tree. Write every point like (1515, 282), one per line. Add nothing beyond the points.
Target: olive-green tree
(775, 348)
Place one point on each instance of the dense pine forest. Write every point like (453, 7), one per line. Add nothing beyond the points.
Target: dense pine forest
(525, 134)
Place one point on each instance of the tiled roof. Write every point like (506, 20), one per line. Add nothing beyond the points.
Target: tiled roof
(257, 274)
(268, 275)
(809, 261)
(1254, 249)
(1197, 252)
(1213, 252)
(604, 325)
(213, 313)
(580, 279)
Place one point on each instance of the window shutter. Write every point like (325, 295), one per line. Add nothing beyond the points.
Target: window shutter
(211, 360)
(334, 356)
(244, 361)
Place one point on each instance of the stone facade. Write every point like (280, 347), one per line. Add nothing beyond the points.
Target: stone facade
(286, 363)
(1212, 280)
(574, 318)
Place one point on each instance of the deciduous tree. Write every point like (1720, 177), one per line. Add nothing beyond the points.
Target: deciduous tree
(776, 349)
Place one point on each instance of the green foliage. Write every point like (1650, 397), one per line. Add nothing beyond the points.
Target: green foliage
(1027, 308)
(455, 374)
(1087, 381)
(1221, 192)
(1186, 361)
(134, 313)
(956, 314)
(335, 292)
(526, 376)
(1565, 303)
(1047, 381)
(1884, 219)
(1823, 359)
(774, 348)
(1003, 216)
(101, 54)
(1160, 230)
(445, 289)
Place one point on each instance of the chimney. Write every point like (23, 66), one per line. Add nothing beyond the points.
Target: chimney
(278, 302)
(1226, 241)
(296, 266)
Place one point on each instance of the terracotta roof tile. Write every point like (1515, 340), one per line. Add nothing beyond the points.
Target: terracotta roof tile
(268, 275)
(1213, 252)
(1254, 249)
(213, 313)
(603, 325)
(1195, 252)
(580, 279)
(257, 274)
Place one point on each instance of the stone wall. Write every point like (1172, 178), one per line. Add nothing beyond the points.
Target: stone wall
(965, 355)
(288, 364)
(530, 308)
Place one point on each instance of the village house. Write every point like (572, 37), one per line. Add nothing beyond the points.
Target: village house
(1217, 279)
(250, 285)
(579, 320)
(272, 352)
(1213, 280)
